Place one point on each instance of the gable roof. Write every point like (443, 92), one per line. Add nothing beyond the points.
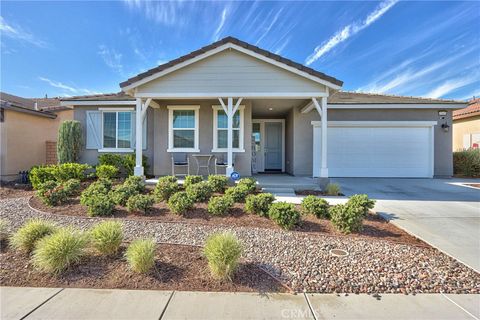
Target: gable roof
(242, 44)
(119, 96)
(348, 97)
(472, 110)
(31, 106)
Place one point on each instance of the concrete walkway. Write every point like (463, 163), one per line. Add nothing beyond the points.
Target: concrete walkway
(439, 211)
(57, 303)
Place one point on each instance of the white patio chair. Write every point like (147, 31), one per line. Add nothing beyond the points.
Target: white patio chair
(180, 160)
(221, 162)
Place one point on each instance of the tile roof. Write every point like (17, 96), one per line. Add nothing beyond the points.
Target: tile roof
(348, 97)
(35, 106)
(472, 110)
(237, 42)
(119, 96)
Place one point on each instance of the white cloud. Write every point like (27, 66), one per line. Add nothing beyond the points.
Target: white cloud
(71, 89)
(451, 85)
(17, 33)
(349, 31)
(111, 58)
(168, 13)
(223, 18)
(280, 49)
(269, 27)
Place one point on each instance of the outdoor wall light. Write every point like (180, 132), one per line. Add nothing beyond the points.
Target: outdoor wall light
(445, 127)
(442, 113)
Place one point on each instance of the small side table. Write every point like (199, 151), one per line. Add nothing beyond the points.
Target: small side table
(203, 161)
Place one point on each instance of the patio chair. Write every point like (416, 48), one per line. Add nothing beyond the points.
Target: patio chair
(221, 162)
(180, 160)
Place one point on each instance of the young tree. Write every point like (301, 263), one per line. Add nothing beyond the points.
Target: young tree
(69, 141)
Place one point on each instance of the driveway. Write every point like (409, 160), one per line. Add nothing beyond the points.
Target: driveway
(441, 213)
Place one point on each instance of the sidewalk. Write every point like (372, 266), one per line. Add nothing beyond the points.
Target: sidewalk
(58, 303)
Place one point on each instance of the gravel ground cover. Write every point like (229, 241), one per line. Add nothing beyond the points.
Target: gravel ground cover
(303, 261)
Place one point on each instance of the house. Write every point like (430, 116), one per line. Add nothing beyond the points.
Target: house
(264, 113)
(28, 132)
(466, 126)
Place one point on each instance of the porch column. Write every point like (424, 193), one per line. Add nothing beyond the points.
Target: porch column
(322, 111)
(230, 110)
(141, 112)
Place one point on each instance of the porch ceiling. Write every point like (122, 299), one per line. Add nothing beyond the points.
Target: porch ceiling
(274, 108)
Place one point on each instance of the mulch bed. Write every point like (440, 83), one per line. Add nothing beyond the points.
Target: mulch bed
(178, 267)
(10, 190)
(373, 226)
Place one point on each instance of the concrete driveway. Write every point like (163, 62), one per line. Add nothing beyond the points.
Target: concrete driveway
(441, 213)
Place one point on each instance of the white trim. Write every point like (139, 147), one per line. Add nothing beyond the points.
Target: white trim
(196, 109)
(220, 49)
(66, 103)
(119, 150)
(116, 109)
(241, 135)
(398, 106)
(262, 139)
(377, 123)
(215, 95)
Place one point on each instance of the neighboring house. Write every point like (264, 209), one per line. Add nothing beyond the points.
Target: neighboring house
(234, 98)
(466, 126)
(28, 132)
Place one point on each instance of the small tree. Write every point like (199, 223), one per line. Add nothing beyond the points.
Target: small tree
(69, 141)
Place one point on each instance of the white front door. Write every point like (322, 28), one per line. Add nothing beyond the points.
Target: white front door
(269, 139)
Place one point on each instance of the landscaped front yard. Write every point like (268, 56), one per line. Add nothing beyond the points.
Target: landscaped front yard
(277, 246)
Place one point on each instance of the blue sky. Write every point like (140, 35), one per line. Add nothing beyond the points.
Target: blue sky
(429, 49)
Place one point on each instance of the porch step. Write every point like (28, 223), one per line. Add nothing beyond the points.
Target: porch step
(286, 192)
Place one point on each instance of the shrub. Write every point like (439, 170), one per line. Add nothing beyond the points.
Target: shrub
(217, 182)
(67, 171)
(106, 171)
(71, 187)
(315, 206)
(107, 237)
(32, 231)
(124, 164)
(121, 193)
(166, 186)
(70, 141)
(238, 193)
(140, 255)
(220, 205)
(180, 202)
(100, 187)
(363, 201)
(140, 202)
(111, 159)
(135, 182)
(467, 163)
(4, 230)
(199, 192)
(60, 250)
(332, 189)
(250, 183)
(189, 180)
(41, 174)
(222, 250)
(100, 205)
(52, 194)
(129, 163)
(347, 218)
(284, 214)
(259, 204)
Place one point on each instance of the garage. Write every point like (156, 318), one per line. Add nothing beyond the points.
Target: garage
(376, 148)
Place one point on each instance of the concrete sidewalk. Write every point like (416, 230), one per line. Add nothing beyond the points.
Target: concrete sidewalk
(58, 303)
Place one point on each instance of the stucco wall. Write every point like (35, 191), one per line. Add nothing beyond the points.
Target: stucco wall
(462, 127)
(289, 142)
(303, 133)
(23, 140)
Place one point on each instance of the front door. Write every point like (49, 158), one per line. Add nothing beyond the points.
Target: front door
(273, 146)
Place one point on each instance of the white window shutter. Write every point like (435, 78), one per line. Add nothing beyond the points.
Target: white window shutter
(134, 129)
(94, 129)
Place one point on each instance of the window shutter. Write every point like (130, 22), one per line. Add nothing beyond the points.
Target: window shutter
(134, 131)
(94, 129)
(466, 141)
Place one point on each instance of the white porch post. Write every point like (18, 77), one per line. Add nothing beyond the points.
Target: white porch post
(140, 116)
(230, 110)
(322, 111)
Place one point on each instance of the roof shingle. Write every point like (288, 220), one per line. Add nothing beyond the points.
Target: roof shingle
(472, 110)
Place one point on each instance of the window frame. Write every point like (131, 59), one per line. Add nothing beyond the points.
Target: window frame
(241, 129)
(116, 111)
(173, 108)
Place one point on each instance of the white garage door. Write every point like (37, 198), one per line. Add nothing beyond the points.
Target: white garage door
(376, 149)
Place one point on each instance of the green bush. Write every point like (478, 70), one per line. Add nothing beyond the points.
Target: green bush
(67, 171)
(32, 231)
(361, 200)
(100, 205)
(140, 255)
(71, 187)
(129, 163)
(58, 251)
(70, 141)
(166, 186)
(39, 175)
(111, 159)
(220, 205)
(238, 193)
(100, 187)
(4, 230)
(190, 180)
(107, 237)
(259, 204)
(180, 202)
(315, 206)
(199, 192)
(332, 189)
(106, 171)
(217, 182)
(140, 202)
(124, 164)
(250, 183)
(284, 214)
(223, 251)
(347, 218)
(121, 193)
(52, 194)
(467, 163)
(135, 182)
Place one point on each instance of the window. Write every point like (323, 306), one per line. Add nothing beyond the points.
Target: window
(183, 128)
(220, 129)
(117, 130)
